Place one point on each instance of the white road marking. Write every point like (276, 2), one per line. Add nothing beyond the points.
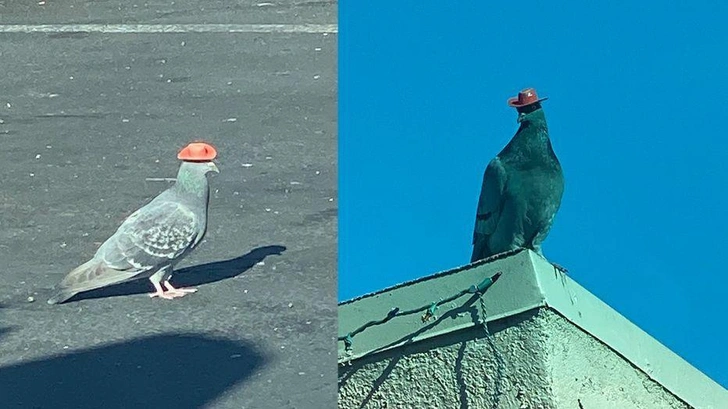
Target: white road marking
(161, 179)
(170, 28)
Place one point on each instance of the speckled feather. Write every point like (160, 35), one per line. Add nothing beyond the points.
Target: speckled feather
(156, 236)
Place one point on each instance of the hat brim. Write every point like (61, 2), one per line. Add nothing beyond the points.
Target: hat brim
(198, 160)
(514, 102)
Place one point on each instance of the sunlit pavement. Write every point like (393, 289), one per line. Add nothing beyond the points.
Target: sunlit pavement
(90, 125)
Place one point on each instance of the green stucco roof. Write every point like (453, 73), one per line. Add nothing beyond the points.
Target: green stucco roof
(527, 282)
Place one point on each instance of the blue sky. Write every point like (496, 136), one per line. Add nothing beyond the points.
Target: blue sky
(637, 115)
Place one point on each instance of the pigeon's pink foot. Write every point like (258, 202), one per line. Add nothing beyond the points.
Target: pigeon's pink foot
(178, 292)
(164, 295)
(160, 293)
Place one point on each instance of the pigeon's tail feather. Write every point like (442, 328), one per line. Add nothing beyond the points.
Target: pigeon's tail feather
(89, 276)
(60, 297)
(480, 249)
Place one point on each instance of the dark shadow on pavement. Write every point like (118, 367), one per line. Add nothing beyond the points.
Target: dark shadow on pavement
(221, 270)
(4, 331)
(190, 276)
(164, 371)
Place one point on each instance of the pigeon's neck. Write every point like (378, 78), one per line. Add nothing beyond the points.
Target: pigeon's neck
(532, 139)
(191, 181)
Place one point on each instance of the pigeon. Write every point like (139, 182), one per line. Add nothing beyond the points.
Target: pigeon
(152, 240)
(522, 187)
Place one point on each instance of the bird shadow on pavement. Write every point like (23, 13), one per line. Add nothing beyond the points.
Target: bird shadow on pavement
(221, 270)
(5, 330)
(190, 276)
(161, 371)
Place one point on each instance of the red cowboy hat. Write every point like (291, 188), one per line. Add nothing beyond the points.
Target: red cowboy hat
(526, 97)
(197, 152)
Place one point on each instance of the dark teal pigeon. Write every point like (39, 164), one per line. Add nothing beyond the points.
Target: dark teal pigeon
(153, 239)
(522, 187)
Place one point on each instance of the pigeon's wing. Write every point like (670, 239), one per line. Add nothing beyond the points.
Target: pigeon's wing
(154, 235)
(490, 203)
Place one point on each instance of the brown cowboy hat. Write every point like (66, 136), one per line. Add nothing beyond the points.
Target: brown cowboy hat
(526, 97)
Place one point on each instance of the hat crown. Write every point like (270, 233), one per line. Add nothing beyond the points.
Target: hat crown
(527, 96)
(197, 151)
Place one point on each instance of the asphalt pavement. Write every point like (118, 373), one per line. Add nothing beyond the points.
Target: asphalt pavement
(90, 126)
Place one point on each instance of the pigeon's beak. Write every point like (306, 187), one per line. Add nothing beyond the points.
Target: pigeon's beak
(213, 167)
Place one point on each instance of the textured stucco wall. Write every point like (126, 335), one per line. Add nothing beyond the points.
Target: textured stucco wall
(536, 359)
(583, 368)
